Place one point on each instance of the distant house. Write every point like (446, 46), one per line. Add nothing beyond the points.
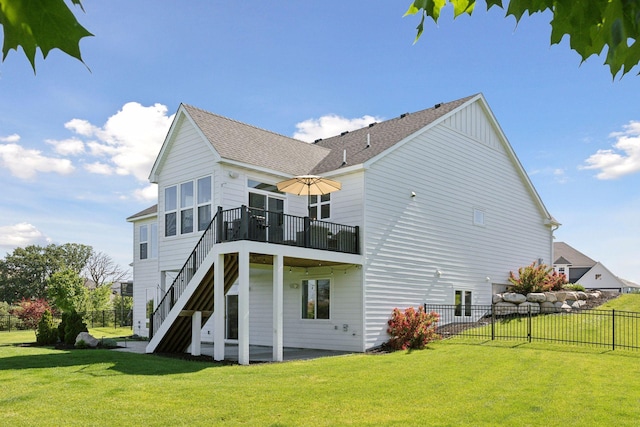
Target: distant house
(582, 270)
(434, 208)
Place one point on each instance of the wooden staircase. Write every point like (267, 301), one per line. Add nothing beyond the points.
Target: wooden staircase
(178, 338)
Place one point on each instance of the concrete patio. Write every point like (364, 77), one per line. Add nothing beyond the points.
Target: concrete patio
(257, 353)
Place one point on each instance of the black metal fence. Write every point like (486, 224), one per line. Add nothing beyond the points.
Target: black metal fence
(93, 319)
(614, 329)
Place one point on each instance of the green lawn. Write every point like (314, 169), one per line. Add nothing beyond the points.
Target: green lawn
(454, 382)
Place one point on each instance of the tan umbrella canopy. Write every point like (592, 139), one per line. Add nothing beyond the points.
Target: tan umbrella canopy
(309, 185)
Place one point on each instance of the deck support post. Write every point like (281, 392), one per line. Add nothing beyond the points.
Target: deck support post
(243, 306)
(196, 328)
(218, 308)
(278, 307)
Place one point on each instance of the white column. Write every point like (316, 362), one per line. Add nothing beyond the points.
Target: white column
(243, 307)
(218, 308)
(278, 305)
(196, 327)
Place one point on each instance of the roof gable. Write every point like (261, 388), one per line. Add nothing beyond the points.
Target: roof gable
(575, 257)
(149, 212)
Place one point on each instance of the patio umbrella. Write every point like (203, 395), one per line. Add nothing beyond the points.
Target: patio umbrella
(309, 185)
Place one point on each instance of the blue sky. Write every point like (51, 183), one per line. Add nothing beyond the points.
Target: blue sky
(76, 146)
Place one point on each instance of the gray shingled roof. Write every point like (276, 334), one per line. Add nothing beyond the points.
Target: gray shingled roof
(244, 143)
(382, 136)
(575, 257)
(148, 211)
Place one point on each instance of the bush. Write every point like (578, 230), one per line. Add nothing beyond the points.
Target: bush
(536, 278)
(412, 329)
(47, 332)
(574, 287)
(31, 311)
(108, 343)
(82, 344)
(71, 325)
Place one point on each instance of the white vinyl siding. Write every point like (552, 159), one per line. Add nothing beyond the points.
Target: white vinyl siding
(145, 277)
(408, 238)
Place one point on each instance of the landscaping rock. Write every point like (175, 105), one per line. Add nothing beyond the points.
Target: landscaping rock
(514, 298)
(548, 307)
(529, 307)
(536, 297)
(503, 308)
(561, 296)
(497, 298)
(562, 306)
(571, 296)
(550, 297)
(88, 339)
(581, 295)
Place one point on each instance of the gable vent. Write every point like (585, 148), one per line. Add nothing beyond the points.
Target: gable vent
(344, 133)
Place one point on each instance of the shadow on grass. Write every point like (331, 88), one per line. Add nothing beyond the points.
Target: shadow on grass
(125, 363)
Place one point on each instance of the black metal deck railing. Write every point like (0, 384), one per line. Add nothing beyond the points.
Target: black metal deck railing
(258, 225)
(614, 329)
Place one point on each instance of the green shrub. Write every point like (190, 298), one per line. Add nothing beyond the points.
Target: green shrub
(47, 332)
(536, 278)
(82, 344)
(71, 325)
(574, 287)
(412, 329)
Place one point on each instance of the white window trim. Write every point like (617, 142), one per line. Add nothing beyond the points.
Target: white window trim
(316, 202)
(179, 208)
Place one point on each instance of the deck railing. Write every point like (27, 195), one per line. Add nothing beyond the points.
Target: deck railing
(259, 225)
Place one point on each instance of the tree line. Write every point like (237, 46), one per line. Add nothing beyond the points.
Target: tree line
(59, 275)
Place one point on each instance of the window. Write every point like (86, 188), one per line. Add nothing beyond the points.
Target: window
(204, 203)
(148, 241)
(321, 204)
(170, 210)
(463, 301)
(186, 207)
(181, 204)
(316, 297)
(478, 217)
(561, 270)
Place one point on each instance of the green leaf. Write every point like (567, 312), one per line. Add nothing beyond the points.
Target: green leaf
(43, 24)
(462, 6)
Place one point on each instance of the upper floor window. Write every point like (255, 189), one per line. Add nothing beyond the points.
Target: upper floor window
(148, 241)
(320, 206)
(316, 299)
(183, 202)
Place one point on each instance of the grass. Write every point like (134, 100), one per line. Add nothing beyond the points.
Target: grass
(454, 382)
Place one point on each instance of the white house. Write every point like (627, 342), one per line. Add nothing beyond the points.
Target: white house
(434, 207)
(582, 270)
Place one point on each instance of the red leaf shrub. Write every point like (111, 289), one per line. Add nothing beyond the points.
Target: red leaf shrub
(536, 278)
(31, 311)
(412, 329)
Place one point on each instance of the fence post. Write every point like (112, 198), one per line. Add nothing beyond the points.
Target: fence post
(493, 322)
(9, 322)
(529, 323)
(613, 329)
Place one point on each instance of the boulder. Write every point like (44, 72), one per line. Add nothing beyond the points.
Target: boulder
(504, 308)
(562, 306)
(571, 296)
(536, 297)
(581, 295)
(514, 298)
(497, 298)
(550, 296)
(529, 307)
(547, 307)
(561, 296)
(575, 304)
(88, 339)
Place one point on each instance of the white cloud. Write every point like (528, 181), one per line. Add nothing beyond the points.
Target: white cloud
(148, 193)
(129, 141)
(99, 168)
(67, 147)
(11, 138)
(25, 163)
(21, 235)
(330, 125)
(622, 159)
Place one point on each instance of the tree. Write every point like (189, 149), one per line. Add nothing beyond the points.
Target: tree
(100, 298)
(31, 311)
(44, 24)
(102, 269)
(67, 291)
(591, 25)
